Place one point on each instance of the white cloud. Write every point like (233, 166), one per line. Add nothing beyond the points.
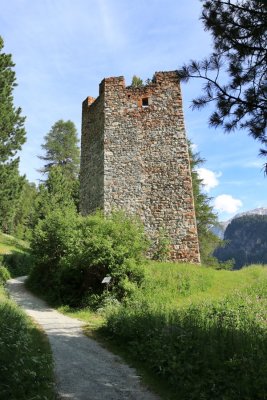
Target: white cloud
(227, 203)
(194, 147)
(209, 178)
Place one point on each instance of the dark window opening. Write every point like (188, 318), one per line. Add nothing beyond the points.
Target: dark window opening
(145, 102)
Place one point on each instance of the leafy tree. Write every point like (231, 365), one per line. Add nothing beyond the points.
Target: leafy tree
(136, 81)
(238, 29)
(61, 149)
(205, 217)
(12, 137)
(73, 254)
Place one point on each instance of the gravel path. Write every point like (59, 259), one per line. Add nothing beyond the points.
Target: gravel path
(84, 370)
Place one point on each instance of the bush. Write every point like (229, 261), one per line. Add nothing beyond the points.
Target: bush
(53, 238)
(73, 254)
(17, 263)
(4, 275)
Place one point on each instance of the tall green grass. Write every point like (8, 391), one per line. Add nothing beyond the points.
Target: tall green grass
(26, 367)
(9, 243)
(203, 331)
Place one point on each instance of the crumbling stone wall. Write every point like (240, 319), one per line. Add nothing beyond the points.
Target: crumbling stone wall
(135, 157)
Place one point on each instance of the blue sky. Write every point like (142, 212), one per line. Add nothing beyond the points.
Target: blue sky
(64, 48)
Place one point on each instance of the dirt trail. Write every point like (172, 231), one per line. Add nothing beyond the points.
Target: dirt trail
(84, 370)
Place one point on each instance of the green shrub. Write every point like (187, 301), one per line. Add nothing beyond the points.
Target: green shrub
(18, 264)
(73, 254)
(53, 238)
(4, 275)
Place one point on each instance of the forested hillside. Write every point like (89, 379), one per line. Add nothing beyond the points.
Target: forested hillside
(246, 239)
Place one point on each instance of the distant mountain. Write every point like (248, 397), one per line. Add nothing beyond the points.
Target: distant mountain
(219, 229)
(246, 237)
(255, 211)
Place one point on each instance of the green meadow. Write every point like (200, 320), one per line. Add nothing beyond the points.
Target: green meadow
(194, 332)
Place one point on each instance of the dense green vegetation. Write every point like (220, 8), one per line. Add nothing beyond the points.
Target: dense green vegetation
(26, 367)
(72, 255)
(15, 255)
(246, 241)
(9, 244)
(12, 137)
(202, 331)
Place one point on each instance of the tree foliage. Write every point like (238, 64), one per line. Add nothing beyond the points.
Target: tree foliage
(246, 241)
(73, 254)
(235, 73)
(57, 192)
(24, 216)
(136, 81)
(10, 193)
(61, 149)
(12, 132)
(12, 137)
(205, 216)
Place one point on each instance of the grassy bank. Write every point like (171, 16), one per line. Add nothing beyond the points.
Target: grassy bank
(9, 244)
(14, 254)
(26, 368)
(200, 332)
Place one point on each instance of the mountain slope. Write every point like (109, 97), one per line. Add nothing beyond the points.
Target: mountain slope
(247, 241)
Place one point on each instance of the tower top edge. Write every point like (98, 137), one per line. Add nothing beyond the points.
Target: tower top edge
(159, 78)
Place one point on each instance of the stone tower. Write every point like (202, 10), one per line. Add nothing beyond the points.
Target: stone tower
(134, 157)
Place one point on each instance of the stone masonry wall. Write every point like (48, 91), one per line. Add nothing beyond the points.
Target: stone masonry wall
(135, 156)
(92, 156)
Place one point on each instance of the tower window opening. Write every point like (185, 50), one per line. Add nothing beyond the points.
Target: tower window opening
(145, 102)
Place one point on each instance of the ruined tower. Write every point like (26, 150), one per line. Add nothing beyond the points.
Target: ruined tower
(134, 157)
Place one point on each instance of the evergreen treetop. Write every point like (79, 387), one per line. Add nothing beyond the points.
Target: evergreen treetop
(61, 149)
(12, 132)
(235, 74)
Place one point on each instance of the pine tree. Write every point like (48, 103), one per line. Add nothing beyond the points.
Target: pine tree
(24, 216)
(61, 149)
(10, 192)
(235, 73)
(58, 191)
(12, 137)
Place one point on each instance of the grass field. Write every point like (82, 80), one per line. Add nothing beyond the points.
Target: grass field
(194, 332)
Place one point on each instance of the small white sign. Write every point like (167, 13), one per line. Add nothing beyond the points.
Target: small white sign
(107, 279)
